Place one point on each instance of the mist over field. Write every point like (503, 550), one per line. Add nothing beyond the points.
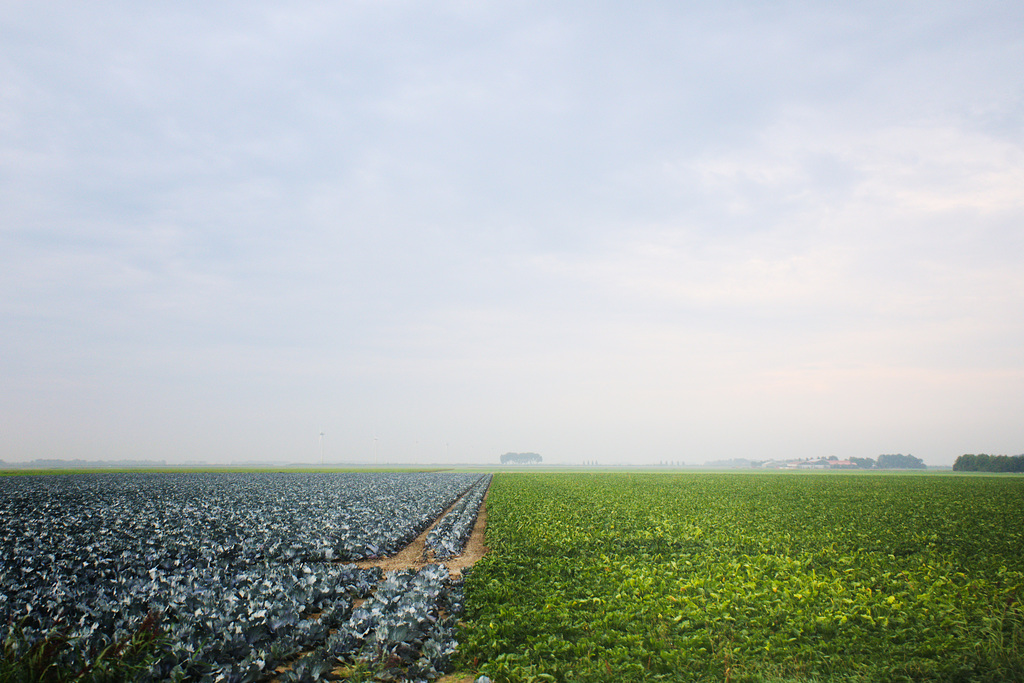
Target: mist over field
(440, 232)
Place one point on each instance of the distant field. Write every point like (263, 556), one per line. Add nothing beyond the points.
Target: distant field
(749, 577)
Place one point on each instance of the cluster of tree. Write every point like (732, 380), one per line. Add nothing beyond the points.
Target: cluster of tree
(520, 458)
(989, 463)
(898, 461)
(863, 463)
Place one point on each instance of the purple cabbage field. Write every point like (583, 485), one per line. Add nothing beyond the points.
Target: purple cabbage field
(240, 573)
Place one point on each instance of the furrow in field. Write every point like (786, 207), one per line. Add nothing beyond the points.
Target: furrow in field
(373, 623)
(414, 555)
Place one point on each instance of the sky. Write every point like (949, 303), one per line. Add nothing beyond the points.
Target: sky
(441, 231)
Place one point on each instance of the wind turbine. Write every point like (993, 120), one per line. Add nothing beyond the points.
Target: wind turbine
(321, 448)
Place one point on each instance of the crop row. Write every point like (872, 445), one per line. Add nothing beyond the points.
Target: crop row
(190, 520)
(449, 536)
(401, 624)
(749, 577)
(406, 630)
(238, 567)
(398, 634)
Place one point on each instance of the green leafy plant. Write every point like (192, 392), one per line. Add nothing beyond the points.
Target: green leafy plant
(778, 577)
(44, 660)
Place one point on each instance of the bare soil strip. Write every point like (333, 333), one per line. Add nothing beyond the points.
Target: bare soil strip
(413, 556)
(475, 548)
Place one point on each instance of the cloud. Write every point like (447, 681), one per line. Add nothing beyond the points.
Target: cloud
(511, 223)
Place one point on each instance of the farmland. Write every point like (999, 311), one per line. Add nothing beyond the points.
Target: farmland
(737, 577)
(230, 577)
(264, 576)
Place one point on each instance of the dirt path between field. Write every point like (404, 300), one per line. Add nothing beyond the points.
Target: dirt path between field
(412, 556)
(475, 548)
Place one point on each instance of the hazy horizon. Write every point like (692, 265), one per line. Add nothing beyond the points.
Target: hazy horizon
(438, 232)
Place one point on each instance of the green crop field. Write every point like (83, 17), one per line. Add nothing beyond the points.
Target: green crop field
(742, 577)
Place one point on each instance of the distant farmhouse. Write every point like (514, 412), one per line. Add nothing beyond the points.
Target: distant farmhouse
(884, 462)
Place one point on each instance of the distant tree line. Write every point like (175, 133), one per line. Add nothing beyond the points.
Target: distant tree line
(983, 462)
(520, 458)
(898, 461)
(78, 464)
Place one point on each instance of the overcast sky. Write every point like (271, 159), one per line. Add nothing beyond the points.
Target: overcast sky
(440, 231)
